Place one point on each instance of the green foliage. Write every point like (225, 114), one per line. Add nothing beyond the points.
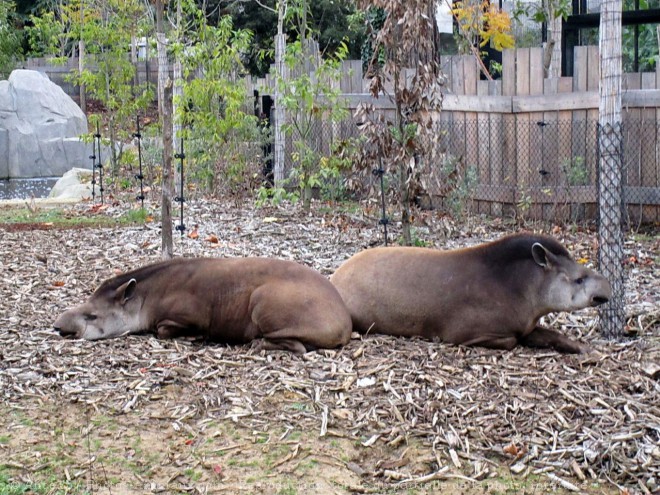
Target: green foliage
(310, 99)
(461, 185)
(51, 487)
(107, 29)
(544, 11)
(332, 22)
(44, 34)
(10, 42)
(576, 171)
(523, 204)
(213, 107)
(647, 46)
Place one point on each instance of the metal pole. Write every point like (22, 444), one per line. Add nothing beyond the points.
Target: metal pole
(99, 165)
(93, 158)
(180, 199)
(139, 176)
(379, 172)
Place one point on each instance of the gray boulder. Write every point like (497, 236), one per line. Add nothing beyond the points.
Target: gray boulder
(76, 184)
(40, 128)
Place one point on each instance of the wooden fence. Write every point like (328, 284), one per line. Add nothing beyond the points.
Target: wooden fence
(527, 136)
(520, 133)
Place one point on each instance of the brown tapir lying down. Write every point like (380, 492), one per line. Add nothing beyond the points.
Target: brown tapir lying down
(288, 305)
(490, 295)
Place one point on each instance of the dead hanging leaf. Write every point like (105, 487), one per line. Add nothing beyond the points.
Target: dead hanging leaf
(583, 261)
(149, 219)
(212, 239)
(194, 233)
(58, 283)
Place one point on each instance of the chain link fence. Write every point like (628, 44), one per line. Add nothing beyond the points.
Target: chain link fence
(610, 233)
(519, 167)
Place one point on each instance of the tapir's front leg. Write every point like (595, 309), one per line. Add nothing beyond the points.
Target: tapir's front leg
(547, 338)
(168, 329)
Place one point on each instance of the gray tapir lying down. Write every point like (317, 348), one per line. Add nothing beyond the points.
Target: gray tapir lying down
(490, 295)
(288, 305)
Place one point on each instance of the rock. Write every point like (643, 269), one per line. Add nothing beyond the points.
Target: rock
(40, 128)
(75, 184)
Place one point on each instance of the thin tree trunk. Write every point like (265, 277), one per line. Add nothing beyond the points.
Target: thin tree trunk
(81, 62)
(553, 47)
(280, 115)
(161, 47)
(165, 111)
(168, 175)
(610, 234)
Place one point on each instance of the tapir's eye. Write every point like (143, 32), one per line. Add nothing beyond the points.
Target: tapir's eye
(579, 280)
(90, 317)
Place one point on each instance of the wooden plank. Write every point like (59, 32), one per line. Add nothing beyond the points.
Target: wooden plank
(457, 75)
(593, 79)
(544, 103)
(579, 149)
(470, 75)
(580, 68)
(509, 141)
(564, 130)
(632, 138)
(524, 129)
(593, 68)
(551, 152)
(648, 136)
(462, 103)
(536, 71)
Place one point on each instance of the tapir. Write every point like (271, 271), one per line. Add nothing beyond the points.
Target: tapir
(491, 295)
(281, 305)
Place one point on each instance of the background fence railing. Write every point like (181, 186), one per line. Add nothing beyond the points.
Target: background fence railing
(533, 169)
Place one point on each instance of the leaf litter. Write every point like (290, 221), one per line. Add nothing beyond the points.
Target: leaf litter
(466, 413)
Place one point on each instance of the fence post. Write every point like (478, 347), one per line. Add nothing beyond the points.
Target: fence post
(610, 235)
(139, 176)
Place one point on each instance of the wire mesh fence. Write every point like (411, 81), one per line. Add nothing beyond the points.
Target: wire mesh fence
(517, 166)
(610, 234)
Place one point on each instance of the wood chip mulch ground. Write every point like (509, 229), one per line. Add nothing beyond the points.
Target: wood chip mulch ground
(569, 418)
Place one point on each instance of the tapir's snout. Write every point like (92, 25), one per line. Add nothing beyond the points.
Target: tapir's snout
(598, 300)
(602, 294)
(63, 325)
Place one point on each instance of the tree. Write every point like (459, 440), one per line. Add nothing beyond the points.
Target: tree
(107, 29)
(213, 108)
(165, 114)
(610, 140)
(552, 13)
(404, 144)
(10, 45)
(481, 23)
(311, 98)
(330, 20)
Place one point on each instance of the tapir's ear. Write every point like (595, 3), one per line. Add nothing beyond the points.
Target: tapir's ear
(541, 255)
(127, 291)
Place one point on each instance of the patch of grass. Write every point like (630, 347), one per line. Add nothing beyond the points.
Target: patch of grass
(289, 489)
(4, 439)
(349, 207)
(62, 218)
(192, 474)
(52, 486)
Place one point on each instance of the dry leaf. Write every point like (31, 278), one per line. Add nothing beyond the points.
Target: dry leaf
(511, 449)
